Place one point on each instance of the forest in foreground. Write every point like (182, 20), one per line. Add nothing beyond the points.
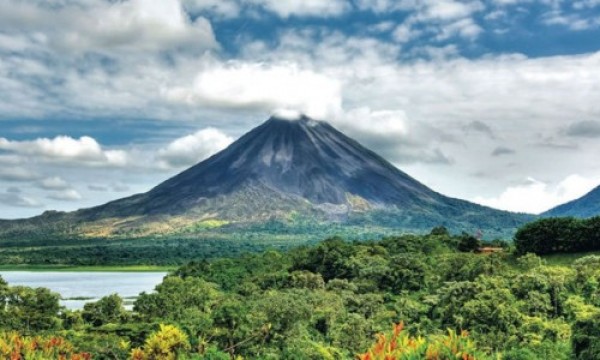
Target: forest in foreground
(431, 296)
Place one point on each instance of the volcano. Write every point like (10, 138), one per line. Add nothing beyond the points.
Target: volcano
(584, 207)
(285, 170)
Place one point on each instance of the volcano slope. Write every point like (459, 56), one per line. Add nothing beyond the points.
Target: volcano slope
(284, 182)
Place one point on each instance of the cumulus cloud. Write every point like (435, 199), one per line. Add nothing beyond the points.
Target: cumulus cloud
(191, 149)
(502, 150)
(224, 8)
(321, 8)
(265, 87)
(98, 188)
(85, 150)
(572, 21)
(53, 183)
(16, 199)
(13, 190)
(116, 187)
(480, 127)
(450, 9)
(283, 9)
(534, 196)
(10, 159)
(65, 195)
(135, 59)
(17, 174)
(586, 4)
(96, 25)
(586, 129)
(435, 20)
(393, 135)
(120, 187)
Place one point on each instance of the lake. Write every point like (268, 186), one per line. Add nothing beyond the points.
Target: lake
(89, 285)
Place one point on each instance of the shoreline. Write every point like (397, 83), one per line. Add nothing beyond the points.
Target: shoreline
(87, 268)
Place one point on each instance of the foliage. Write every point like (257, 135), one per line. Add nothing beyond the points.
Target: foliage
(558, 235)
(27, 309)
(399, 345)
(329, 300)
(586, 338)
(14, 346)
(468, 243)
(164, 344)
(107, 310)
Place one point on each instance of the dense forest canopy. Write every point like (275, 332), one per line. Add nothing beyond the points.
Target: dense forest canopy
(329, 301)
(559, 235)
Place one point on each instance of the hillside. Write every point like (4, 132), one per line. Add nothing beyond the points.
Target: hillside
(584, 207)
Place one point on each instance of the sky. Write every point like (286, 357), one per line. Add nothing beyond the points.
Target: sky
(495, 101)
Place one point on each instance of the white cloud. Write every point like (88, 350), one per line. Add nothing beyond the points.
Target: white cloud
(85, 150)
(441, 19)
(53, 183)
(450, 9)
(65, 195)
(405, 32)
(586, 4)
(191, 149)
(16, 199)
(536, 196)
(571, 21)
(18, 174)
(224, 8)
(537, 96)
(98, 188)
(392, 134)
(10, 159)
(264, 87)
(134, 25)
(465, 28)
(112, 63)
(320, 8)
(388, 123)
(386, 6)
(120, 187)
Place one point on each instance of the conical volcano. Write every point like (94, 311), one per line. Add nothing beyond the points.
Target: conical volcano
(301, 173)
(304, 167)
(584, 207)
(303, 159)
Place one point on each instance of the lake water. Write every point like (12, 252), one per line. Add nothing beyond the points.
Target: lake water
(92, 285)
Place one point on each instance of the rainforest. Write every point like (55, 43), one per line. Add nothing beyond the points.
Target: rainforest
(433, 296)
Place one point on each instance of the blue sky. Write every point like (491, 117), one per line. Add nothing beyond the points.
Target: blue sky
(492, 101)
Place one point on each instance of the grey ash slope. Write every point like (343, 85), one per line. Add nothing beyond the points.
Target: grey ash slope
(303, 166)
(302, 159)
(584, 207)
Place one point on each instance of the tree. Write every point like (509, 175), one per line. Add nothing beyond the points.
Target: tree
(177, 299)
(30, 310)
(547, 236)
(107, 310)
(165, 344)
(586, 338)
(468, 243)
(439, 231)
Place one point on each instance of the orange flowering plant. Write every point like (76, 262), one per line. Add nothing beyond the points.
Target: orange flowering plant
(399, 345)
(13, 346)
